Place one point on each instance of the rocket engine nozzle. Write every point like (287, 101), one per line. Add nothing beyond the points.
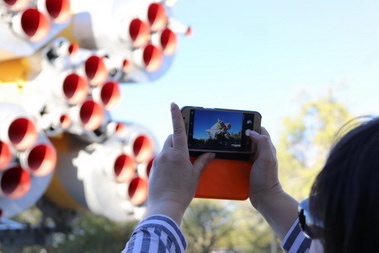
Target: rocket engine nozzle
(15, 182)
(96, 70)
(126, 66)
(120, 129)
(168, 42)
(142, 148)
(139, 32)
(75, 88)
(22, 133)
(157, 17)
(57, 10)
(16, 5)
(91, 114)
(5, 155)
(110, 94)
(149, 166)
(124, 168)
(152, 57)
(73, 49)
(65, 121)
(32, 24)
(138, 190)
(40, 160)
(189, 32)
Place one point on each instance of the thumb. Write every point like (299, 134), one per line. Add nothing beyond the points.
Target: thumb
(202, 161)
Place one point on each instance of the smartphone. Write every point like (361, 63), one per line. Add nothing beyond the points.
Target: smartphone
(224, 132)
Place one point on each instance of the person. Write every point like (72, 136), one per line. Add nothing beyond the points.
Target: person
(344, 199)
(339, 216)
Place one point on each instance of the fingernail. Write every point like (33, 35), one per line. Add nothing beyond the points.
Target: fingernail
(253, 133)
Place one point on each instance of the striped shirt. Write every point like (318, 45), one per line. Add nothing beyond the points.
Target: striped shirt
(157, 233)
(295, 240)
(160, 234)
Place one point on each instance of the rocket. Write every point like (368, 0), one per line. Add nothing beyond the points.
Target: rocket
(61, 66)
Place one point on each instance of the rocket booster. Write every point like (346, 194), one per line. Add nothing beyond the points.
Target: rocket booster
(61, 66)
(113, 173)
(27, 160)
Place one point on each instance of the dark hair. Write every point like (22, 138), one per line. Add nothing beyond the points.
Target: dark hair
(347, 192)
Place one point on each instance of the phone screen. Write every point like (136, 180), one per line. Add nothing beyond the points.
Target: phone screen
(220, 131)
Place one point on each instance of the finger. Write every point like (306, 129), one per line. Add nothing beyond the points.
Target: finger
(179, 139)
(264, 131)
(168, 142)
(264, 146)
(256, 136)
(201, 162)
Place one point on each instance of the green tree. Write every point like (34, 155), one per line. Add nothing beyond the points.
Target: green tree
(90, 233)
(95, 234)
(206, 223)
(306, 140)
(251, 233)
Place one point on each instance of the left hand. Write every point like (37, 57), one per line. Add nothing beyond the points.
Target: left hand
(174, 178)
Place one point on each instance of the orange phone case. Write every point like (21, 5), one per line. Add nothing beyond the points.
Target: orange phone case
(224, 179)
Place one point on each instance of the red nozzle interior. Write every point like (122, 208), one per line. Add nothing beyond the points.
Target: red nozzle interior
(152, 57)
(149, 166)
(126, 66)
(91, 115)
(42, 159)
(73, 49)
(120, 129)
(157, 17)
(58, 10)
(15, 182)
(139, 32)
(96, 70)
(22, 133)
(16, 5)
(142, 148)
(168, 42)
(124, 168)
(5, 155)
(75, 88)
(138, 189)
(110, 94)
(189, 32)
(35, 24)
(65, 121)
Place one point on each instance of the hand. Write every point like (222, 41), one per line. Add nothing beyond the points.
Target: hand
(174, 178)
(266, 194)
(264, 173)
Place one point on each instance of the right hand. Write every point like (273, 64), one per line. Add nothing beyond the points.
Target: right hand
(265, 191)
(264, 180)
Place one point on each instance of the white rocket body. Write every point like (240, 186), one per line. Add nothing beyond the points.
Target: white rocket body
(57, 137)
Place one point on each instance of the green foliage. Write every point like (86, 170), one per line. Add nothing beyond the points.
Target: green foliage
(95, 234)
(205, 223)
(33, 215)
(92, 234)
(251, 233)
(306, 140)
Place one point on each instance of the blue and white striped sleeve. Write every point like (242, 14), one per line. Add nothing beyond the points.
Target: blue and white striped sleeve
(295, 241)
(157, 233)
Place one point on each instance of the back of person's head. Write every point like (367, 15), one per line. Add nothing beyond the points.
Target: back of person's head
(347, 192)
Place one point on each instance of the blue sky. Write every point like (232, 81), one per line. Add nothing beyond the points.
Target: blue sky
(205, 120)
(261, 55)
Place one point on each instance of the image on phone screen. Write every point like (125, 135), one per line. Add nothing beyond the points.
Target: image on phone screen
(220, 131)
